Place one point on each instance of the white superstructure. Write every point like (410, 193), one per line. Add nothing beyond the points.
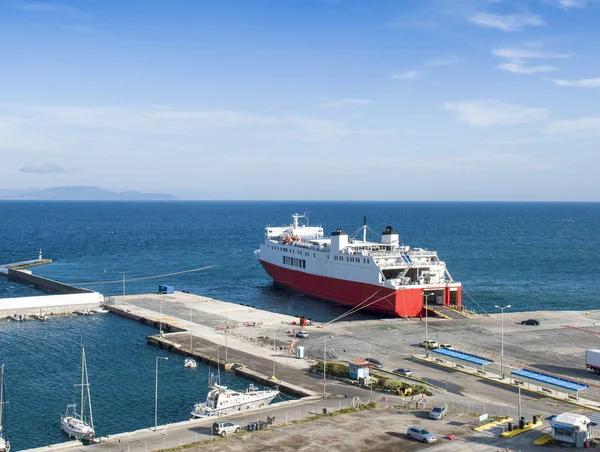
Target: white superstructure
(221, 400)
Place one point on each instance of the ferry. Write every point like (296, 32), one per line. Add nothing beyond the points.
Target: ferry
(385, 276)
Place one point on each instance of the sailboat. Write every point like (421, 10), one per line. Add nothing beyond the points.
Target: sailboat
(4, 444)
(75, 424)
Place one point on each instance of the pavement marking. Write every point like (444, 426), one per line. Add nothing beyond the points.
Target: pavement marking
(582, 329)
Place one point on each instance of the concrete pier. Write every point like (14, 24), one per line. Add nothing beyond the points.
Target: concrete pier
(262, 344)
(68, 298)
(23, 264)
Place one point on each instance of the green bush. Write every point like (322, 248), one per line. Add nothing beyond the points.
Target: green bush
(333, 369)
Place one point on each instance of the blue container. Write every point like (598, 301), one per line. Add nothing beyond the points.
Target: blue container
(163, 288)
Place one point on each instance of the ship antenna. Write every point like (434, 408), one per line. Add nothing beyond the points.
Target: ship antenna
(218, 367)
(365, 229)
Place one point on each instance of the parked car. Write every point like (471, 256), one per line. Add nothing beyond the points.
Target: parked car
(301, 334)
(530, 322)
(374, 361)
(429, 344)
(223, 428)
(406, 372)
(447, 346)
(420, 434)
(438, 412)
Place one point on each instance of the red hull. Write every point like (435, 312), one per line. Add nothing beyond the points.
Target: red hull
(401, 303)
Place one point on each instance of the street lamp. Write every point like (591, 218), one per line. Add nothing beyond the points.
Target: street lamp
(124, 273)
(156, 392)
(325, 367)
(160, 330)
(502, 339)
(426, 295)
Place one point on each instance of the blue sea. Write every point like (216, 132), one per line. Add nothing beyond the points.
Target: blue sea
(531, 255)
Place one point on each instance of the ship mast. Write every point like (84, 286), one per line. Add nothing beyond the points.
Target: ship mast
(365, 229)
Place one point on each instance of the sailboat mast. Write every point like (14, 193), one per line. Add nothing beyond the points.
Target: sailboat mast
(191, 345)
(1, 396)
(81, 406)
(87, 385)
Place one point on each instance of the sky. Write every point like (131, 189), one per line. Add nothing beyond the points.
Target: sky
(466, 100)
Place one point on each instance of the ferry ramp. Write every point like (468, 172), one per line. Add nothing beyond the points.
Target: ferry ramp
(447, 312)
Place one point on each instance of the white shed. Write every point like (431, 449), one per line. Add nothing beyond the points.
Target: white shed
(572, 428)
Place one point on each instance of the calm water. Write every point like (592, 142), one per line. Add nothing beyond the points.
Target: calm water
(530, 255)
(43, 362)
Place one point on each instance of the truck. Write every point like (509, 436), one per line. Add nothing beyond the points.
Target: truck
(592, 360)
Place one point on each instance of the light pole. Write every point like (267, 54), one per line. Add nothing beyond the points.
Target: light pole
(426, 295)
(502, 339)
(325, 367)
(156, 392)
(160, 332)
(124, 273)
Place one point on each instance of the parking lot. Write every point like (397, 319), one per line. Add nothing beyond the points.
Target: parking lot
(379, 430)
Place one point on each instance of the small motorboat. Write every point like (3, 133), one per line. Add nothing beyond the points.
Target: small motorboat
(190, 362)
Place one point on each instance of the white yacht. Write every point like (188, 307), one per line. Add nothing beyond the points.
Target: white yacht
(75, 424)
(221, 400)
(4, 444)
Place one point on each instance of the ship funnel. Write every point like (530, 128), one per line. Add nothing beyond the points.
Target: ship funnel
(390, 237)
(339, 240)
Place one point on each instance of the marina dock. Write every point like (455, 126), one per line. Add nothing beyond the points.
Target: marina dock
(262, 345)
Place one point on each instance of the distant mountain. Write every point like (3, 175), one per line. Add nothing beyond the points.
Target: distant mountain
(85, 193)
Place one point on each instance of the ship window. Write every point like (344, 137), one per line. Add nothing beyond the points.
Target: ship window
(327, 257)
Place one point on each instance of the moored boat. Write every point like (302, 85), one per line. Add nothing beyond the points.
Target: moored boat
(190, 363)
(385, 276)
(80, 425)
(220, 400)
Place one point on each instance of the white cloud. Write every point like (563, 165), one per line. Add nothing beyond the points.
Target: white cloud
(519, 67)
(583, 83)
(485, 112)
(446, 60)
(406, 75)
(45, 167)
(78, 28)
(527, 53)
(506, 22)
(582, 127)
(338, 103)
(566, 4)
(160, 120)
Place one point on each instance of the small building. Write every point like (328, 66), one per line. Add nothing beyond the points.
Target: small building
(572, 428)
(359, 368)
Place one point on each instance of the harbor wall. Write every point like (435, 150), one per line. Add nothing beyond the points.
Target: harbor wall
(55, 304)
(45, 284)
